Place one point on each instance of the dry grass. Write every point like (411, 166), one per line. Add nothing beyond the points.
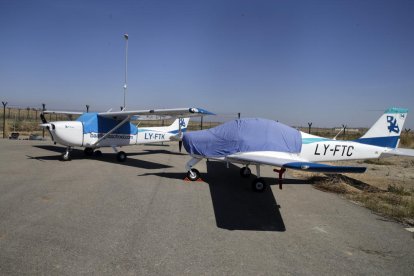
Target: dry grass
(396, 202)
(381, 162)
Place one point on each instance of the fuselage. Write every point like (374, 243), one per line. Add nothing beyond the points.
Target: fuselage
(86, 134)
(318, 149)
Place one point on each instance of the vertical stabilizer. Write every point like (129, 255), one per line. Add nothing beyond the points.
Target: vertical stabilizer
(387, 130)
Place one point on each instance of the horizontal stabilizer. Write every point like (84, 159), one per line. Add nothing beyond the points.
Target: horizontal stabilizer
(323, 168)
(398, 152)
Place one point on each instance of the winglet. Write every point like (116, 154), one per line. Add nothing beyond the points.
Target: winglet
(200, 111)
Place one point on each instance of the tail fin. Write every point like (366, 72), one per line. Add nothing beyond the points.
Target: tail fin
(179, 124)
(386, 131)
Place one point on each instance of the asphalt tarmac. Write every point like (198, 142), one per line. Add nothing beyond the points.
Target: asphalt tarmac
(97, 216)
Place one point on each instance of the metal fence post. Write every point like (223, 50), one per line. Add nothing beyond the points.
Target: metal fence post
(4, 119)
(43, 129)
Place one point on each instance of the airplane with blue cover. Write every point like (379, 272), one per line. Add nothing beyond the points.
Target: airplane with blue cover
(114, 129)
(256, 142)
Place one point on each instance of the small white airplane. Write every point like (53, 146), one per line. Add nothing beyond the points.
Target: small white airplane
(114, 129)
(264, 142)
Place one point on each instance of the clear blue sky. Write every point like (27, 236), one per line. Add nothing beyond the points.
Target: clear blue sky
(329, 62)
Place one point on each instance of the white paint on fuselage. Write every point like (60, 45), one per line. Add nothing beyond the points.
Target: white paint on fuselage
(336, 150)
(127, 139)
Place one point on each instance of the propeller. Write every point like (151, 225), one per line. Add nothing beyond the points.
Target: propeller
(46, 124)
(43, 118)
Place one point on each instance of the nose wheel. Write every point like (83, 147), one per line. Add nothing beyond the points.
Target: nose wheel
(66, 156)
(193, 174)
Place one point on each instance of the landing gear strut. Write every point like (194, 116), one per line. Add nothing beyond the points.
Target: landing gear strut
(192, 174)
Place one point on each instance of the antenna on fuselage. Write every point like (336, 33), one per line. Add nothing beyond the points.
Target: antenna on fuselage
(126, 68)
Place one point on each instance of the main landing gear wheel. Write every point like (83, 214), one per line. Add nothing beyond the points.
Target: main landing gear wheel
(98, 153)
(193, 174)
(259, 185)
(88, 151)
(121, 156)
(245, 172)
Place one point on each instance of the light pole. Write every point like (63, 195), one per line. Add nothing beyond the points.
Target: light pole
(126, 66)
(87, 108)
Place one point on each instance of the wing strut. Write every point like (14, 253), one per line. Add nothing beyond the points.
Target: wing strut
(111, 131)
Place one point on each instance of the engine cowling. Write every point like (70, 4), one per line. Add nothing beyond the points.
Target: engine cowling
(68, 133)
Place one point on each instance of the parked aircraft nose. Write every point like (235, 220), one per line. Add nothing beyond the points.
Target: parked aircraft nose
(68, 133)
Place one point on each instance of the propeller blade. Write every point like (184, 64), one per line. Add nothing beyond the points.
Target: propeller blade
(42, 117)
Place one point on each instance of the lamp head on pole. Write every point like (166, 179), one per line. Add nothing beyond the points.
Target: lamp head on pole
(126, 36)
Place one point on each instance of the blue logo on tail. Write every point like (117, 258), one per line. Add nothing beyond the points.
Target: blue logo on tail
(393, 127)
(181, 122)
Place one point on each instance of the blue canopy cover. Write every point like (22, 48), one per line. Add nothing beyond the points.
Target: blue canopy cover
(243, 135)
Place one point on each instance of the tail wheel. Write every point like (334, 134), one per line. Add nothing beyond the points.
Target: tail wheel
(121, 156)
(259, 185)
(193, 174)
(245, 172)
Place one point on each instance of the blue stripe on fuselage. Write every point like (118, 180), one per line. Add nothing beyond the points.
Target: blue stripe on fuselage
(390, 142)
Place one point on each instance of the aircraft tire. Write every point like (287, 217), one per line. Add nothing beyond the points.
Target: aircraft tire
(88, 151)
(65, 157)
(98, 153)
(193, 174)
(259, 185)
(121, 156)
(245, 172)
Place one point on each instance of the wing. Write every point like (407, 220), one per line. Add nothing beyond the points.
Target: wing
(62, 112)
(398, 152)
(289, 161)
(173, 112)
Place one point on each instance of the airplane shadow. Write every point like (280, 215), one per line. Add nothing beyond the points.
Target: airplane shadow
(236, 206)
(77, 154)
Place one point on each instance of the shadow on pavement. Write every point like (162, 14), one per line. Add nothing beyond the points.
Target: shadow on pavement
(77, 154)
(236, 206)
